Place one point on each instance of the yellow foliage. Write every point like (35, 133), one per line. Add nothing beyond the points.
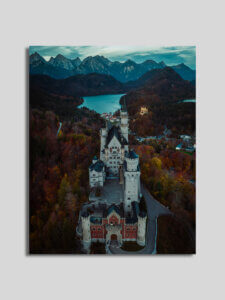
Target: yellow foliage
(156, 162)
(60, 133)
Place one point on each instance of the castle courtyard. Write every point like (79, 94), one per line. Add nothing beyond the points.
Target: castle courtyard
(111, 193)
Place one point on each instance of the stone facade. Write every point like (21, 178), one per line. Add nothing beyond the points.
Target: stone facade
(114, 223)
(96, 173)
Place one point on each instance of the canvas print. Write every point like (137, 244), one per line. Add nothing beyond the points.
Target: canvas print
(112, 150)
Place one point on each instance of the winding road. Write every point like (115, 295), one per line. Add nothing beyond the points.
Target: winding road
(154, 210)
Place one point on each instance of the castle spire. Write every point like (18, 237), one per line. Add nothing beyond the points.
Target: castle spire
(123, 106)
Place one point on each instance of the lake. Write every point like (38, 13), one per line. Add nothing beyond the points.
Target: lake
(189, 100)
(102, 103)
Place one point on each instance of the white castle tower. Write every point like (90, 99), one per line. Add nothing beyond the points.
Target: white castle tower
(85, 221)
(132, 180)
(124, 127)
(142, 217)
(103, 134)
(96, 173)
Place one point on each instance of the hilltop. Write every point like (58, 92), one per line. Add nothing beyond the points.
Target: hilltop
(161, 91)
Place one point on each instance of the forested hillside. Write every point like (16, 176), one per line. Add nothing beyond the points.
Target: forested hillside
(169, 175)
(79, 85)
(161, 91)
(59, 178)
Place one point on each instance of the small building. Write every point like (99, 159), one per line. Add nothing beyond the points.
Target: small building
(179, 147)
(186, 138)
(190, 149)
(143, 110)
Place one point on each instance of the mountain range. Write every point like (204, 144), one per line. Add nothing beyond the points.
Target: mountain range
(61, 67)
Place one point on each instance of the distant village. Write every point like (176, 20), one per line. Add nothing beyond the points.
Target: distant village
(183, 142)
(110, 117)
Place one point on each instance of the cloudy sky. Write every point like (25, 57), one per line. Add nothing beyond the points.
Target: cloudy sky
(170, 55)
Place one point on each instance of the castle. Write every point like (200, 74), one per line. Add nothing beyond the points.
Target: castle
(113, 211)
(143, 110)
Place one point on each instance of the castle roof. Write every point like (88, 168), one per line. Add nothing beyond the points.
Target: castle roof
(97, 167)
(119, 209)
(131, 154)
(115, 208)
(85, 214)
(114, 131)
(96, 220)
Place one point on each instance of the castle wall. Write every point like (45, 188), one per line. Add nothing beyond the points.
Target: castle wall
(97, 232)
(86, 232)
(131, 191)
(124, 124)
(96, 178)
(128, 231)
(141, 230)
(114, 156)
